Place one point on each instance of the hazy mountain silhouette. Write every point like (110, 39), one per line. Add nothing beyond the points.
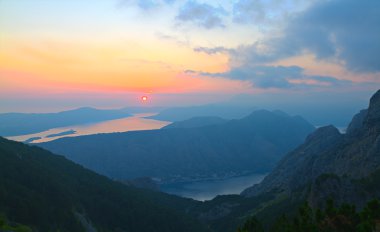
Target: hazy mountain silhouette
(251, 144)
(196, 122)
(12, 124)
(217, 110)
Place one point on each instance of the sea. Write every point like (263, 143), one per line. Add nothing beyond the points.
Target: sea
(135, 122)
(209, 189)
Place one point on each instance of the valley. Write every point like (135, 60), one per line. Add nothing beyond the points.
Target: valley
(179, 154)
(189, 116)
(205, 190)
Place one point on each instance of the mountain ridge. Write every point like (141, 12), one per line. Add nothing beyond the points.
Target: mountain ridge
(47, 192)
(13, 124)
(226, 111)
(329, 169)
(196, 122)
(328, 158)
(214, 149)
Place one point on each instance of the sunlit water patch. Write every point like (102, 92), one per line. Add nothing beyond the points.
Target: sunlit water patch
(208, 189)
(136, 122)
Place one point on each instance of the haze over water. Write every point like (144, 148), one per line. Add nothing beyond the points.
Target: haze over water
(208, 189)
(136, 122)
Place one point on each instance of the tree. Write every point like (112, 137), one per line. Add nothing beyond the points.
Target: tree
(251, 225)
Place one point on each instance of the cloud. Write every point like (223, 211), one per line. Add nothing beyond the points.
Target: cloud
(212, 51)
(247, 11)
(345, 31)
(202, 14)
(280, 77)
(173, 38)
(145, 4)
(266, 12)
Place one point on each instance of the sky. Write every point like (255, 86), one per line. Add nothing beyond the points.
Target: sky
(57, 55)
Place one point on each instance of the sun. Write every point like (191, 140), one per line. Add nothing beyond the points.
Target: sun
(144, 98)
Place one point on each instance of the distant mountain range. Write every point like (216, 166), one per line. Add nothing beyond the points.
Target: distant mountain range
(196, 122)
(251, 144)
(12, 124)
(226, 111)
(15, 124)
(45, 192)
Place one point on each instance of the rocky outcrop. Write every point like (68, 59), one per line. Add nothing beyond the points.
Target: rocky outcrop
(298, 163)
(326, 153)
(356, 125)
(341, 189)
(372, 120)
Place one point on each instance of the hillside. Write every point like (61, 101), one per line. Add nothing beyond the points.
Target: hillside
(12, 124)
(196, 122)
(252, 144)
(328, 165)
(329, 158)
(176, 114)
(47, 192)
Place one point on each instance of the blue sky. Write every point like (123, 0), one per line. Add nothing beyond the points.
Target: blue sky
(64, 54)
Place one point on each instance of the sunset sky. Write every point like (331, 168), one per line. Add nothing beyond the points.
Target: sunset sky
(108, 53)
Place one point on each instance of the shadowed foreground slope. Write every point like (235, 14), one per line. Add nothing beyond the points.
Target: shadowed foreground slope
(49, 193)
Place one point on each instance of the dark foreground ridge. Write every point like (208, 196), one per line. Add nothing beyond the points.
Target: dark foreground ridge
(47, 192)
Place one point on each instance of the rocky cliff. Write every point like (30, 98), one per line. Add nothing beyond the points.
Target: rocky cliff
(330, 164)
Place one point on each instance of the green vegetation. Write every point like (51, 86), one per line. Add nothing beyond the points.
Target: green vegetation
(251, 224)
(5, 226)
(224, 213)
(326, 176)
(344, 218)
(49, 193)
(372, 182)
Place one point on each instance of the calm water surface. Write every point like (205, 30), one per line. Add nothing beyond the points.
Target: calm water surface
(198, 190)
(136, 122)
(207, 190)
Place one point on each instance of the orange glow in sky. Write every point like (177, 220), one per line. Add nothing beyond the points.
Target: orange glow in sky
(56, 50)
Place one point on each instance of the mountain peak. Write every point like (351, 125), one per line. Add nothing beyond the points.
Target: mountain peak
(260, 111)
(375, 99)
(325, 132)
(356, 125)
(373, 116)
(280, 112)
(327, 153)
